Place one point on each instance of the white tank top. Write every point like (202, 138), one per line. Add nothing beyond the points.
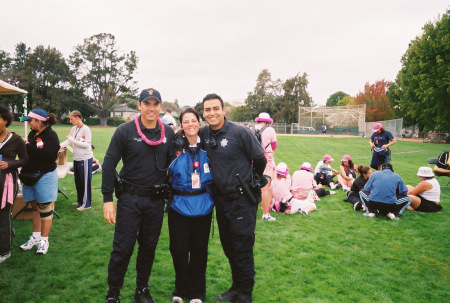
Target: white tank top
(434, 193)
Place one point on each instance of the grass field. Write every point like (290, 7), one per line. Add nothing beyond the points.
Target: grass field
(333, 255)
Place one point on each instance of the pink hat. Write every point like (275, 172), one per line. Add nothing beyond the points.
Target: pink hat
(306, 166)
(264, 117)
(282, 169)
(327, 158)
(376, 127)
(346, 158)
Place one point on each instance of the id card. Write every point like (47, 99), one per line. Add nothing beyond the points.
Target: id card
(195, 177)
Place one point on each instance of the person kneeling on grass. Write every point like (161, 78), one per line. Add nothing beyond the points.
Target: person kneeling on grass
(425, 196)
(385, 193)
(283, 201)
(353, 195)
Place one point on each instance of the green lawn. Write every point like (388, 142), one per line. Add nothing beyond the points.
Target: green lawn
(333, 255)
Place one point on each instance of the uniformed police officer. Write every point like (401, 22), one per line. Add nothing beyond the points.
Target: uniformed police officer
(233, 149)
(143, 146)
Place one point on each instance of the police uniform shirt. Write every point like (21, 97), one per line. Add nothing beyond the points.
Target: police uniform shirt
(139, 168)
(235, 150)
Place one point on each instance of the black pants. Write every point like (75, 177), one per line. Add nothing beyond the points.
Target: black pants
(189, 238)
(396, 208)
(137, 218)
(5, 229)
(326, 181)
(236, 219)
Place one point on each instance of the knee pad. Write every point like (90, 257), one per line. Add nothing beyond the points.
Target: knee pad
(45, 211)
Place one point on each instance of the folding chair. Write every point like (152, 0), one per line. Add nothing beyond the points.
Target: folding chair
(438, 174)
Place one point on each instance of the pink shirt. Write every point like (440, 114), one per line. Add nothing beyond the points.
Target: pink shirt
(302, 179)
(281, 189)
(267, 137)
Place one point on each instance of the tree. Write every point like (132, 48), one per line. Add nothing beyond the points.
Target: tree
(295, 95)
(46, 76)
(422, 90)
(335, 98)
(374, 96)
(103, 72)
(347, 100)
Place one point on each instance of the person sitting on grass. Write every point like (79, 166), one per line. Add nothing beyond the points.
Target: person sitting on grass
(282, 199)
(353, 195)
(324, 174)
(385, 193)
(425, 196)
(303, 182)
(347, 173)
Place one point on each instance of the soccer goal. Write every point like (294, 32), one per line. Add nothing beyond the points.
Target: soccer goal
(339, 120)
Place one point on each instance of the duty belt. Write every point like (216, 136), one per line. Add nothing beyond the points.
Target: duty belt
(150, 192)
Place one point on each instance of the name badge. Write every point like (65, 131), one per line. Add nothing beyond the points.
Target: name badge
(195, 180)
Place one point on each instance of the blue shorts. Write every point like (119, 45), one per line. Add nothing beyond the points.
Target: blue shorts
(45, 190)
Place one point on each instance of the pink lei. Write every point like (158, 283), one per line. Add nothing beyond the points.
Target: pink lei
(149, 142)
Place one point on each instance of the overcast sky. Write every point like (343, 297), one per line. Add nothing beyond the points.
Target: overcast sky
(187, 49)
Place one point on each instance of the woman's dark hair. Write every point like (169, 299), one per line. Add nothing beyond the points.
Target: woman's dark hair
(363, 170)
(350, 163)
(51, 120)
(6, 115)
(187, 111)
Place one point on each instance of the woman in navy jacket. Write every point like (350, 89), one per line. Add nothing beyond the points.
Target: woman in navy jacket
(190, 212)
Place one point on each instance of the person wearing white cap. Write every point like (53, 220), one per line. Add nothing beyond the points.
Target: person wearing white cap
(425, 197)
(380, 141)
(269, 144)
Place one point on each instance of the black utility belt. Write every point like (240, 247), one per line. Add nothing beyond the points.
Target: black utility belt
(188, 193)
(156, 191)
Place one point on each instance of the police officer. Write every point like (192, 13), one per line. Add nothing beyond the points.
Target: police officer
(143, 146)
(233, 149)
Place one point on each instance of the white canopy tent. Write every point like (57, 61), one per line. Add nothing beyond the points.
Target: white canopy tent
(8, 89)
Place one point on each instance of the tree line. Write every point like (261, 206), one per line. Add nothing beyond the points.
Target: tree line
(97, 76)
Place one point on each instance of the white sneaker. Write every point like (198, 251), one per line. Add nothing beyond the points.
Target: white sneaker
(392, 216)
(196, 301)
(332, 192)
(304, 212)
(81, 208)
(370, 215)
(32, 242)
(177, 299)
(345, 188)
(43, 247)
(4, 257)
(269, 218)
(333, 186)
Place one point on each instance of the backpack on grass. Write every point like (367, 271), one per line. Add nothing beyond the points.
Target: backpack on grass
(443, 160)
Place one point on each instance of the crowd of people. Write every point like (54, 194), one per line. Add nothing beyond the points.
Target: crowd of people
(222, 165)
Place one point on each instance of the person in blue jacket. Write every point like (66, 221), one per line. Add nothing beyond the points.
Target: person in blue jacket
(385, 193)
(190, 211)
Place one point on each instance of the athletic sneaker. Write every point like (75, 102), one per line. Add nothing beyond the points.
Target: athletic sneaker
(43, 247)
(177, 299)
(32, 242)
(269, 218)
(4, 257)
(196, 301)
(304, 212)
(332, 192)
(392, 216)
(333, 186)
(81, 208)
(370, 215)
(345, 188)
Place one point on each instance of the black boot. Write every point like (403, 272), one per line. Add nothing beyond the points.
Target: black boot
(227, 296)
(240, 298)
(142, 295)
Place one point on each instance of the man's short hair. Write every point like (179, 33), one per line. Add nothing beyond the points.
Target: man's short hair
(212, 97)
(168, 111)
